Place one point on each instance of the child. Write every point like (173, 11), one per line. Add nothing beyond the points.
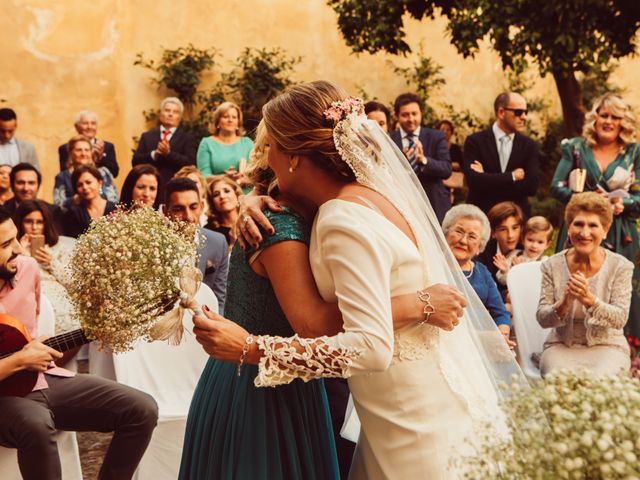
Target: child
(537, 236)
(506, 220)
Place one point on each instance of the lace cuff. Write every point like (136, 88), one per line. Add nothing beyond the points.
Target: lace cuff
(281, 363)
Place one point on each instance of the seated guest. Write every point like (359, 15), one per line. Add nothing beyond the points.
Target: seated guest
(377, 112)
(60, 399)
(506, 219)
(6, 193)
(586, 293)
(25, 180)
(87, 184)
(467, 230)
(103, 152)
(227, 149)
(13, 150)
(168, 147)
(142, 187)
(182, 202)
(80, 153)
(223, 194)
(194, 174)
(32, 218)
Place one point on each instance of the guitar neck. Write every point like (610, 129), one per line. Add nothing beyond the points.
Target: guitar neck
(67, 341)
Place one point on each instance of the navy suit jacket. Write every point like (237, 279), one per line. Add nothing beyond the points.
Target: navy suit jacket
(493, 186)
(183, 152)
(108, 158)
(213, 262)
(437, 169)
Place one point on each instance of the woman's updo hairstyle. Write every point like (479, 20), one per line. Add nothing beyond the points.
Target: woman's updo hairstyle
(295, 120)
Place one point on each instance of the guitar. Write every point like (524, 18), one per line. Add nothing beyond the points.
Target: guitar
(14, 336)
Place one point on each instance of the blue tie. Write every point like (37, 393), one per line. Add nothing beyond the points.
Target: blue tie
(412, 157)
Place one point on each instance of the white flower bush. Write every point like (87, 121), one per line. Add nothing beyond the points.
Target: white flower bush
(124, 274)
(571, 425)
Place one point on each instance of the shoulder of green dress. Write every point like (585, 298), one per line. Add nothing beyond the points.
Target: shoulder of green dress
(572, 143)
(246, 141)
(288, 225)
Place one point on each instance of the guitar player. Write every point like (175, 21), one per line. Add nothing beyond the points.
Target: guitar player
(60, 400)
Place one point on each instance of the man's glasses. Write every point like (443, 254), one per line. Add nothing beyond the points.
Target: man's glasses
(518, 112)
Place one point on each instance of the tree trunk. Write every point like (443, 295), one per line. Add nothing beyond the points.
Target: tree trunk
(570, 93)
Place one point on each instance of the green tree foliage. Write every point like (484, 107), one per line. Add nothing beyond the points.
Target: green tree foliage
(562, 37)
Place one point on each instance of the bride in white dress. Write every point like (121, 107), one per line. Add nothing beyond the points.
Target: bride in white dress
(420, 391)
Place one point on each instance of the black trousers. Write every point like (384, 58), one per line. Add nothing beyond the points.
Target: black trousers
(338, 396)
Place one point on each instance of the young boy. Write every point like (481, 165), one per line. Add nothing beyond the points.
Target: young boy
(537, 236)
(506, 220)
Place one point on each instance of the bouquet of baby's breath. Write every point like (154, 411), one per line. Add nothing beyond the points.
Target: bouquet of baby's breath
(125, 271)
(568, 426)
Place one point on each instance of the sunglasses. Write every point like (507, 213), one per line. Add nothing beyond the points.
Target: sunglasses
(518, 112)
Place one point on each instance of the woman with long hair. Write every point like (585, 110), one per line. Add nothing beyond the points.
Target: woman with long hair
(142, 187)
(223, 195)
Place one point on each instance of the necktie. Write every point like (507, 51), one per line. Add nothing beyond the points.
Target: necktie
(411, 156)
(165, 135)
(504, 152)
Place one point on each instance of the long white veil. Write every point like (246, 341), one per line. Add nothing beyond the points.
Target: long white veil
(474, 357)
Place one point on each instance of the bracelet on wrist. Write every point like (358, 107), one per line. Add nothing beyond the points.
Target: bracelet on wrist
(245, 349)
(428, 309)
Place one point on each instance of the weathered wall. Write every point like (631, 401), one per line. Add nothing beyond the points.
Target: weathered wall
(69, 55)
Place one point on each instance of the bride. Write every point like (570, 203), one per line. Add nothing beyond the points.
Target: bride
(419, 392)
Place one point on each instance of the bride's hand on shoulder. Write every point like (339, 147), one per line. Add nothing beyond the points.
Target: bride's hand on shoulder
(221, 338)
(250, 216)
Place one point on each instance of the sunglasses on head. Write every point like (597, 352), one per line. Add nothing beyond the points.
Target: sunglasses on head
(518, 112)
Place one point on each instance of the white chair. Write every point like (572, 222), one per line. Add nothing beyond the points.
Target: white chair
(170, 374)
(67, 441)
(524, 282)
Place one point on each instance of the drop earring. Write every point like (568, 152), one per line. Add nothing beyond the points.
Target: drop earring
(290, 169)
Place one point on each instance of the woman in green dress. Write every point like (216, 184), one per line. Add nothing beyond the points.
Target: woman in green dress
(609, 158)
(226, 151)
(236, 430)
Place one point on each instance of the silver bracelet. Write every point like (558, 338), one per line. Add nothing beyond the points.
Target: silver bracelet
(245, 349)
(429, 309)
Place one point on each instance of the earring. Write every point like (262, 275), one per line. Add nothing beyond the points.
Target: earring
(290, 169)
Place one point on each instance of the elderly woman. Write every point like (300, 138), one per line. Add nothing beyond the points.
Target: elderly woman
(81, 153)
(226, 150)
(586, 291)
(223, 194)
(611, 161)
(141, 187)
(466, 229)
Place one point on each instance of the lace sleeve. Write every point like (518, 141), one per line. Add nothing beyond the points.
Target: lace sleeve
(614, 312)
(282, 362)
(546, 314)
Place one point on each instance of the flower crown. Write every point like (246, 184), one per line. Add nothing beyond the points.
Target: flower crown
(340, 110)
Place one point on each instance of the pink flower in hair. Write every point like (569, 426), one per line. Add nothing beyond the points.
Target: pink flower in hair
(339, 110)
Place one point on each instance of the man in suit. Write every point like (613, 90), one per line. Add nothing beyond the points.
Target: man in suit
(426, 150)
(499, 163)
(25, 180)
(12, 149)
(103, 152)
(183, 202)
(169, 147)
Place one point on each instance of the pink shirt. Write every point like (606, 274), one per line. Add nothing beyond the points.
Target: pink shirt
(20, 298)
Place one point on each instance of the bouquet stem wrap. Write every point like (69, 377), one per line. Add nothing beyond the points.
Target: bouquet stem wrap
(169, 327)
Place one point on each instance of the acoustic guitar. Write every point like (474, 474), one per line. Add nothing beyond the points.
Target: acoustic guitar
(14, 336)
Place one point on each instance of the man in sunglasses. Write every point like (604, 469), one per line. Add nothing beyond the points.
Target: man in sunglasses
(500, 163)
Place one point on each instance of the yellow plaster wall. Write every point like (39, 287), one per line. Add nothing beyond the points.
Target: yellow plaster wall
(69, 55)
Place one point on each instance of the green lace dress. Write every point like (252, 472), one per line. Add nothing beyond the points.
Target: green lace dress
(623, 234)
(238, 431)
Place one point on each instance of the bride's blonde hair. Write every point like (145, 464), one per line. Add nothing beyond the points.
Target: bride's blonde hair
(296, 121)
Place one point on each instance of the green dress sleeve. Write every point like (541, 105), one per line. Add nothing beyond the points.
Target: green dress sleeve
(203, 158)
(559, 184)
(632, 202)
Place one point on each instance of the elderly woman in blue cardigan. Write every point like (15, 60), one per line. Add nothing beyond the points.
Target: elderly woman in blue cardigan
(467, 232)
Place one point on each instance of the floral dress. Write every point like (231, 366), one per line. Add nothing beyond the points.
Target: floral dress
(623, 234)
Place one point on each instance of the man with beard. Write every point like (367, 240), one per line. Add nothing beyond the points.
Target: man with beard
(60, 399)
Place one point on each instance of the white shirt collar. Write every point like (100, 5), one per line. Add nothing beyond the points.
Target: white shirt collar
(172, 130)
(11, 142)
(499, 133)
(416, 133)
